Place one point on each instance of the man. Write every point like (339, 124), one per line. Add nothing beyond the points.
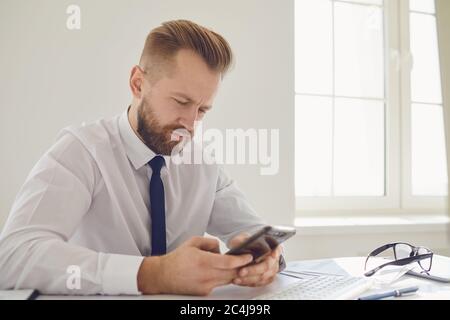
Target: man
(105, 211)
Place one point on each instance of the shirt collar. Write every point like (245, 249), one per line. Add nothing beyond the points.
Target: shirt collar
(138, 153)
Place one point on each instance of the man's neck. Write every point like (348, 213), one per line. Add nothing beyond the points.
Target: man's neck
(132, 119)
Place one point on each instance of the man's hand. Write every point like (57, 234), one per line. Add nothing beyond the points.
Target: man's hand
(259, 274)
(194, 268)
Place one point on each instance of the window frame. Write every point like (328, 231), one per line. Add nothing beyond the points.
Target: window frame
(398, 197)
(408, 199)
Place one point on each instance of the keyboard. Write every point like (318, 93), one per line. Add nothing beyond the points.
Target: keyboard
(325, 287)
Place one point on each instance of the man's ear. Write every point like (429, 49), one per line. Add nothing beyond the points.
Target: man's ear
(136, 80)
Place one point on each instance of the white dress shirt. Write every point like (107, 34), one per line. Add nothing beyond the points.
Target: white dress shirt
(86, 204)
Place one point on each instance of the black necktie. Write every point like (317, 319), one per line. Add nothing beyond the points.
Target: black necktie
(158, 210)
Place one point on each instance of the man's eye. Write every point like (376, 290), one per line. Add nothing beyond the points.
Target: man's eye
(202, 111)
(183, 103)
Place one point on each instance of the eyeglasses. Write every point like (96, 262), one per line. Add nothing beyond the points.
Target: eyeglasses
(404, 254)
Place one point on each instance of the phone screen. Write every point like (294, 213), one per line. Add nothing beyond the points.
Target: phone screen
(263, 242)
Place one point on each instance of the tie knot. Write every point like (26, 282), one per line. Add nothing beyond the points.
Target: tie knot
(157, 163)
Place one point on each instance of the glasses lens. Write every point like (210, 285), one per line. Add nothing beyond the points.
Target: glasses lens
(424, 263)
(403, 251)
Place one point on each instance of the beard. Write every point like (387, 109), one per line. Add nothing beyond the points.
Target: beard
(158, 138)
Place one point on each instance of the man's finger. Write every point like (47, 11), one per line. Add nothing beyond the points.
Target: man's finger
(256, 280)
(206, 244)
(250, 281)
(223, 277)
(276, 253)
(259, 277)
(269, 275)
(238, 239)
(259, 268)
(225, 261)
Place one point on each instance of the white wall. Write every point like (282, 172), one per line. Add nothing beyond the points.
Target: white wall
(52, 77)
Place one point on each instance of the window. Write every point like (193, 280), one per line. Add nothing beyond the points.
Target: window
(427, 125)
(368, 107)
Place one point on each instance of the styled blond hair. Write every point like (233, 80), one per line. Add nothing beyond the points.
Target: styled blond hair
(165, 41)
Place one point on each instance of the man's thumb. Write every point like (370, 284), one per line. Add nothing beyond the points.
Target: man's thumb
(238, 240)
(206, 244)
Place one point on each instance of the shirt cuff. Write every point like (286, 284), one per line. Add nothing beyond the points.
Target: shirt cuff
(281, 264)
(120, 274)
(282, 261)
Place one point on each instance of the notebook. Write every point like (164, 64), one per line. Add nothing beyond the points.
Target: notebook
(22, 294)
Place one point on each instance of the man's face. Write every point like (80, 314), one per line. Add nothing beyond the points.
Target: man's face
(175, 101)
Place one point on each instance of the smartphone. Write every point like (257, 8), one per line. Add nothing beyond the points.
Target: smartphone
(261, 244)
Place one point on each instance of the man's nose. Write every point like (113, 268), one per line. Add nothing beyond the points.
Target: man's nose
(190, 119)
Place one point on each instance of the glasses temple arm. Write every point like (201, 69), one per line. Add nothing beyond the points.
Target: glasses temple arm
(400, 262)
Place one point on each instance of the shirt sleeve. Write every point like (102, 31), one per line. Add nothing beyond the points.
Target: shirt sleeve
(34, 248)
(232, 213)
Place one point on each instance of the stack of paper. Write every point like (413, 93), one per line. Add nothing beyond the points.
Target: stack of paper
(23, 294)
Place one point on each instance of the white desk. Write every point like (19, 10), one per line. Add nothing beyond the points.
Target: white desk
(354, 266)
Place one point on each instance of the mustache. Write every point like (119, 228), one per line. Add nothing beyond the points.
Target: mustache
(175, 128)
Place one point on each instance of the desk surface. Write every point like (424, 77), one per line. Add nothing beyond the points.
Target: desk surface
(432, 290)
